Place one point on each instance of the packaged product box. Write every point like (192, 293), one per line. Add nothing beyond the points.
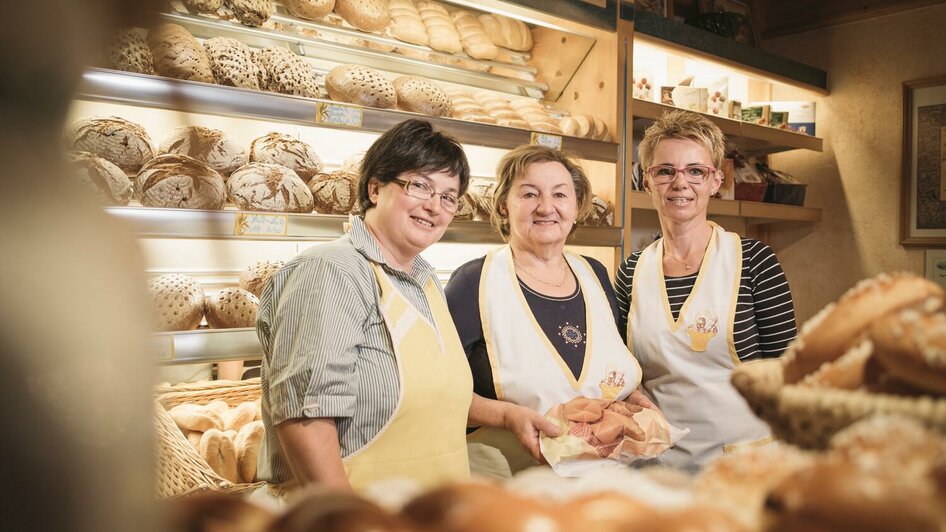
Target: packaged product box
(801, 115)
(778, 119)
(735, 110)
(756, 114)
(717, 88)
(689, 98)
(643, 87)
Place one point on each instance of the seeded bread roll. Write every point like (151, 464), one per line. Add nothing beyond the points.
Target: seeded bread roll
(475, 42)
(198, 7)
(125, 144)
(210, 146)
(366, 15)
(507, 32)
(269, 187)
(295, 154)
(441, 31)
(334, 192)
(309, 9)
(177, 54)
(109, 183)
(285, 72)
(251, 12)
(128, 51)
(406, 24)
(360, 85)
(421, 95)
(253, 279)
(232, 64)
(231, 308)
(178, 303)
(182, 182)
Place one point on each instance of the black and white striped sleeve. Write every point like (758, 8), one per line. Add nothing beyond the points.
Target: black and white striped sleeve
(623, 280)
(771, 299)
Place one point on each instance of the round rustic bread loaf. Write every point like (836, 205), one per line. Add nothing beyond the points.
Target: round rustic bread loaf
(268, 187)
(251, 12)
(128, 51)
(179, 181)
(210, 146)
(480, 193)
(360, 85)
(178, 302)
(285, 72)
(109, 182)
(366, 15)
(466, 210)
(334, 192)
(421, 95)
(232, 63)
(602, 213)
(177, 54)
(231, 308)
(309, 9)
(352, 164)
(202, 6)
(254, 278)
(279, 148)
(125, 144)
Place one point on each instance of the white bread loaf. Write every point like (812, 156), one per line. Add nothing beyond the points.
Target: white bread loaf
(108, 182)
(279, 148)
(507, 32)
(465, 107)
(210, 146)
(125, 144)
(177, 54)
(602, 213)
(366, 15)
(232, 63)
(441, 31)
(475, 42)
(231, 308)
(219, 450)
(178, 303)
(285, 72)
(421, 95)
(576, 126)
(238, 416)
(180, 182)
(309, 9)
(193, 417)
(360, 85)
(254, 277)
(251, 12)
(500, 110)
(128, 51)
(248, 442)
(198, 7)
(334, 192)
(406, 24)
(269, 187)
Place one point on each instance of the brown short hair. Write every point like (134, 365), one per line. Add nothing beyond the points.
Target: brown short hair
(684, 125)
(513, 166)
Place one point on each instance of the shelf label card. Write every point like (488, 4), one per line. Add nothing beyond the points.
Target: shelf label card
(546, 139)
(339, 114)
(257, 224)
(163, 345)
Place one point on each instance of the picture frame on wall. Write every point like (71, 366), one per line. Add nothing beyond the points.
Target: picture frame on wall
(746, 33)
(923, 167)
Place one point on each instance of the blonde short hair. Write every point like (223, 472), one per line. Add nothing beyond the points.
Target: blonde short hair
(684, 125)
(514, 165)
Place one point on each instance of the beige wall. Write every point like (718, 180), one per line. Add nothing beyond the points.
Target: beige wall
(856, 179)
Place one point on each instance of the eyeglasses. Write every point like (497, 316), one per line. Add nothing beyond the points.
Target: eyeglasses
(695, 174)
(420, 190)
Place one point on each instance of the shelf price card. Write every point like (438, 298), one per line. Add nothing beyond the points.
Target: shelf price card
(338, 114)
(546, 139)
(259, 224)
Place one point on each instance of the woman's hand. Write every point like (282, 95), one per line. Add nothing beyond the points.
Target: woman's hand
(638, 398)
(526, 425)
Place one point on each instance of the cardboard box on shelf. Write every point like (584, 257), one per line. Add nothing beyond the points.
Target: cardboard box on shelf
(735, 110)
(689, 98)
(801, 115)
(756, 114)
(778, 119)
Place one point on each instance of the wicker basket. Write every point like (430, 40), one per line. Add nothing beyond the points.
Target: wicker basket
(180, 468)
(808, 417)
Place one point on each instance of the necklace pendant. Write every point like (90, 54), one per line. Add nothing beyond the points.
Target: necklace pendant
(687, 266)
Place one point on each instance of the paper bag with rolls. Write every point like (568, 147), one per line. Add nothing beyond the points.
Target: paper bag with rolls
(598, 432)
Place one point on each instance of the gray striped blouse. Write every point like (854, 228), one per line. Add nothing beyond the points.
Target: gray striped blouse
(326, 351)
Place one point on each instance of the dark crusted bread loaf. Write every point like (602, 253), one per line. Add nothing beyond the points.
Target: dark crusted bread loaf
(285, 72)
(109, 183)
(279, 148)
(334, 192)
(123, 143)
(177, 54)
(211, 146)
(179, 181)
(269, 187)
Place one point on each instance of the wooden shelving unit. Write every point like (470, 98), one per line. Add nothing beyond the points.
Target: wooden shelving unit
(754, 212)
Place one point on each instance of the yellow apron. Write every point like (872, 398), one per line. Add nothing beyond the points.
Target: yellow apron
(425, 439)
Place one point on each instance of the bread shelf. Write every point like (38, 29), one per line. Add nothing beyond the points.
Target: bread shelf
(754, 212)
(148, 222)
(176, 95)
(206, 346)
(751, 139)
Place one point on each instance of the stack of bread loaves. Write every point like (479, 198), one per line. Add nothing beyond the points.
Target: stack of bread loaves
(585, 126)
(180, 182)
(536, 115)
(465, 107)
(406, 24)
(500, 110)
(507, 32)
(441, 32)
(105, 180)
(473, 36)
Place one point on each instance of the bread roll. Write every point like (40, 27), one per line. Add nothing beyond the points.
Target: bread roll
(255, 276)
(466, 210)
(179, 181)
(335, 511)
(911, 346)
(269, 187)
(194, 417)
(285, 72)
(251, 12)
(125, 144)
(128, 51)
(309, 9)
(475, 42)
(219, 406)
(232, 63)
(441, 31)
(219, 451)
(479, 507)
(334, 192)
(240, 415)
(288, 151)
(231, 308)
(507, 32)
(584, 409)
(108, 182)
(406, 24)
(480, 193)
(360, 85)
(366, 15)
(247, 446)
(601, 214)
(608, 511)
(421, 95)
(210, 146)
(178, 302)
(193, 438)
(177, 54)
(198, 7)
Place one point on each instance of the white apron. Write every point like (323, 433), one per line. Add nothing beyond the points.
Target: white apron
(688, 362)
(528, 370)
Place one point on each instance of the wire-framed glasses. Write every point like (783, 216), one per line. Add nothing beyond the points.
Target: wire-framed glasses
(420, 190)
